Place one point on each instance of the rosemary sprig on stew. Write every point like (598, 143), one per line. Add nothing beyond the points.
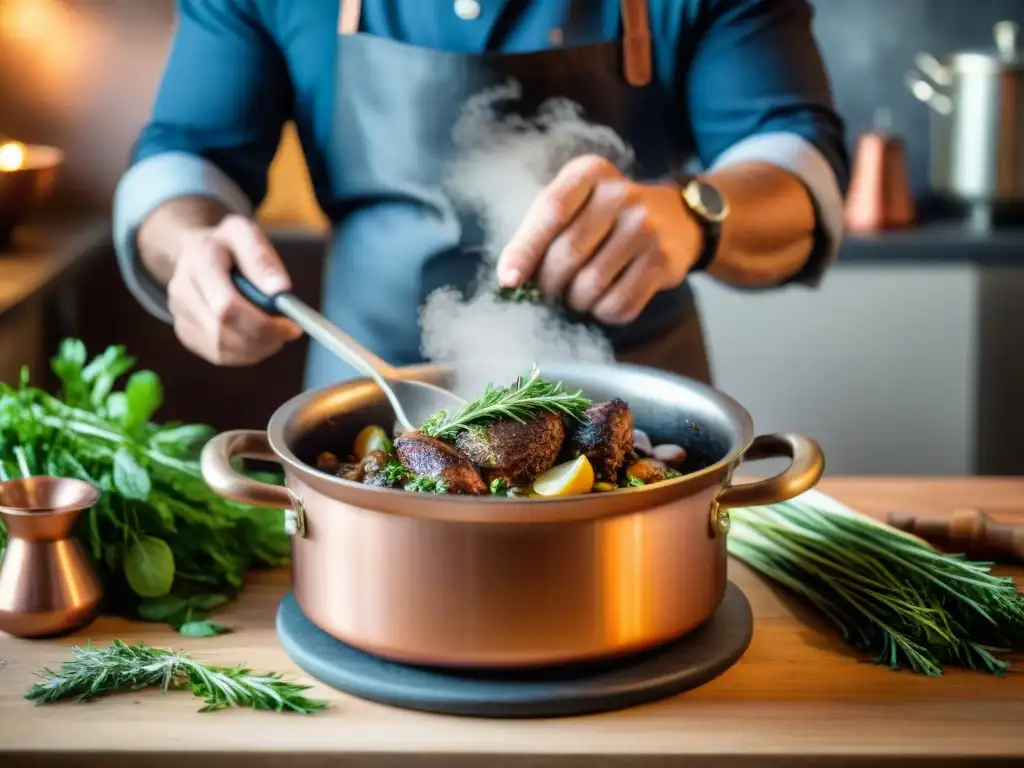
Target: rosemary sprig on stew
(522, 401)
(120, 667)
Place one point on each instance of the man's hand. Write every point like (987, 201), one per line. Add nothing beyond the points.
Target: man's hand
(604, 243)
(211, 318)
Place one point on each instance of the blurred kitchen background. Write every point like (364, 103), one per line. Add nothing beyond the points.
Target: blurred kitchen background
(906, 361)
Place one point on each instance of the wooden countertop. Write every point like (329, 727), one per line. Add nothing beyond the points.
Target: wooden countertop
(797, 697)
(43, 250)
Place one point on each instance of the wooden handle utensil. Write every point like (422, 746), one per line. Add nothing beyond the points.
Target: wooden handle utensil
(967, 531)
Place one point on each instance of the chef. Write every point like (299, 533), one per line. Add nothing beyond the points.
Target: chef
(735, 89)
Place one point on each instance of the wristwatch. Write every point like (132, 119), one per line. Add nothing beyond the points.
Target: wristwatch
(709, 209)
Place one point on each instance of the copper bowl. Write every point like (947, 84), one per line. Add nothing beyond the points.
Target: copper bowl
(488, 582)
(24, 189)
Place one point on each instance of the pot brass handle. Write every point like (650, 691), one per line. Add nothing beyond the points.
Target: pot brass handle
(226, 481)
(803, 473)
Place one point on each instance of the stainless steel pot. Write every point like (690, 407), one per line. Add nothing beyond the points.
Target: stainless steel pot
(977, 124)
(491, 582)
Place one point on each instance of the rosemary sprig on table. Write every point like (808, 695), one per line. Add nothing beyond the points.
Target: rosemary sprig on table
(121, 667)
(890, 594)
(524, 400)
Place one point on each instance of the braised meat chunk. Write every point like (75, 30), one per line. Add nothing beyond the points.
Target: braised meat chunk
(349, 470)
(430, 457)
(604, 436)
(515, 451)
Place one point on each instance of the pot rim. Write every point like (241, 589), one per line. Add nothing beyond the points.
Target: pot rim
(521, 510)
(980, 63)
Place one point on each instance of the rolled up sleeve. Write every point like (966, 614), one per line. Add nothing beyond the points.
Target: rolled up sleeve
(215, 126)
(757, 90)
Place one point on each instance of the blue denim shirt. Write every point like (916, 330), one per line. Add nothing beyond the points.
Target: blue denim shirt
(745, 74)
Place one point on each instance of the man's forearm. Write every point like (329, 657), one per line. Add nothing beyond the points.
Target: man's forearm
(769, 232)
(162, 234)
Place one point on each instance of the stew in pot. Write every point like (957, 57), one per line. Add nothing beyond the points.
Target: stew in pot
(533, 438)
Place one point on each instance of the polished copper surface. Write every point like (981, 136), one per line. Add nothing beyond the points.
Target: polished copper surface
(48, 585)
(488, 582)
(880, 196)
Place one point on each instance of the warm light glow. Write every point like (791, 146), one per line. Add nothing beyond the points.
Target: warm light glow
(45, 44)
(29, 20)
(623, 549)
(12, 156)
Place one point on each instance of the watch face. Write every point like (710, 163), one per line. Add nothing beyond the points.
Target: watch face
(712, 202)
(706, 201)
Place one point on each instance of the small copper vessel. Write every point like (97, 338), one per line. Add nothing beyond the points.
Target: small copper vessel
(48, 585)
(880, 196)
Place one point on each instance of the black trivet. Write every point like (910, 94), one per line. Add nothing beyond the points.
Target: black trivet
(581, 689)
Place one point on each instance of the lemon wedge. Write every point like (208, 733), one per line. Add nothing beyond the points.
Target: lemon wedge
(369, 439)
(569, 479)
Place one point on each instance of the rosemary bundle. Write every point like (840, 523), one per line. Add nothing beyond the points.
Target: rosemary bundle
(891, 595)
(522, 401)
(120, 667)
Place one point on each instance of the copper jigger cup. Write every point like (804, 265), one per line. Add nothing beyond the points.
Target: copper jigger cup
(880, 195)
(48, 585)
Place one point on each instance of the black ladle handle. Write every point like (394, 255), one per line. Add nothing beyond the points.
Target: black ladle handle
(254, 295)
(317, 326)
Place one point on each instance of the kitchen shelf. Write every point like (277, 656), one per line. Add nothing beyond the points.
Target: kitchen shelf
(939, 242)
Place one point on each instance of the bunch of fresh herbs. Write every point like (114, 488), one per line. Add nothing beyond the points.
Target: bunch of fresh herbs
(167, 548)
(120, 667)
(892, 595)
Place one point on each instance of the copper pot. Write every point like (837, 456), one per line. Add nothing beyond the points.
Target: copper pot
(491, 582)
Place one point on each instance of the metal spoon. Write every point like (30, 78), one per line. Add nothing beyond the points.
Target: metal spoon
(413, 401)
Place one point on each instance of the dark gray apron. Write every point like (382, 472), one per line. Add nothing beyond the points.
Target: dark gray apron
(397, 236)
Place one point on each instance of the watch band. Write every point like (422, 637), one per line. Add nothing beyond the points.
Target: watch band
(711, 231)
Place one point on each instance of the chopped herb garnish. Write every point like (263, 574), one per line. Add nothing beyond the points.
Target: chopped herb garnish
(425, 484)
(527, 293)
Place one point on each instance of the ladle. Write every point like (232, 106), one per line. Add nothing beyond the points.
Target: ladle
(413, 401)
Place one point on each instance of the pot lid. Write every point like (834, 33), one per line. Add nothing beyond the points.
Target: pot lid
(1006, 55)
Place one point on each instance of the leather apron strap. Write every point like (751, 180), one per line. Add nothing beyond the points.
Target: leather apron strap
(636, 36)
(636, 42)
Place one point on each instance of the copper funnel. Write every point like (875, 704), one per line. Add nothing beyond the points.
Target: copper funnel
(48, 585)
(880, 196)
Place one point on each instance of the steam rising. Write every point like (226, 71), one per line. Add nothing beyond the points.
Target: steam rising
(502, 162)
